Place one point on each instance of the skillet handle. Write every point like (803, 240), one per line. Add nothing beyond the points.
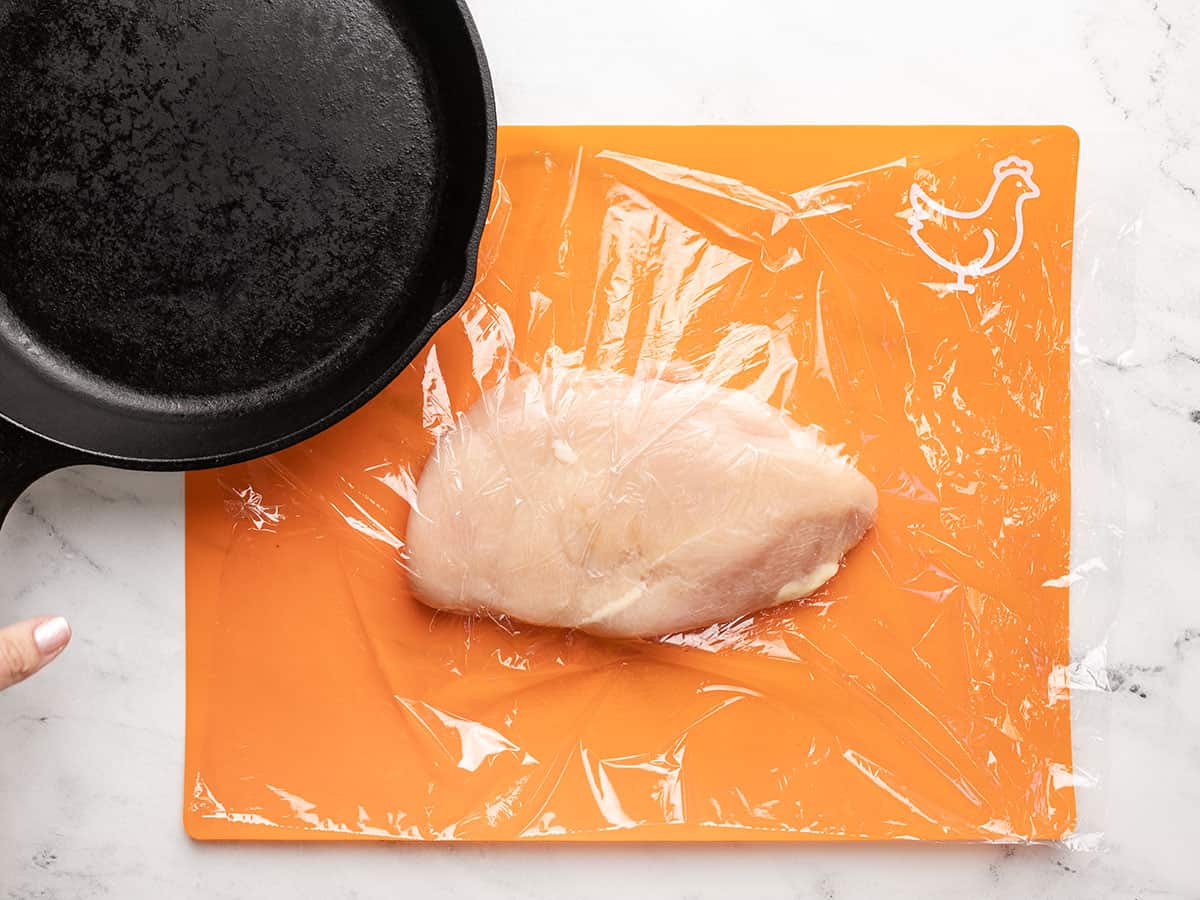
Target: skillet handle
(24, 458)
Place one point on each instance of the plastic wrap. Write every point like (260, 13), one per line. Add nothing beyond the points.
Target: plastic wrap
(906, 292)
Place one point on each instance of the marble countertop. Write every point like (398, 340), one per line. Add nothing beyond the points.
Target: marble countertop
(92, 748)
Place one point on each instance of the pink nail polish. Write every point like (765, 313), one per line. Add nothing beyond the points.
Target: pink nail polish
(52, 635)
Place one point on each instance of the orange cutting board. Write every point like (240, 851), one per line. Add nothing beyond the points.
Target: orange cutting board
(918, 695)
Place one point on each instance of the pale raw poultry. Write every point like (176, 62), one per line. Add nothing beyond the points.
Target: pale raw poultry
(629, 507)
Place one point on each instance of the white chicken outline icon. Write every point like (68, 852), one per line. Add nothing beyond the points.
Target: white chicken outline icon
(925, 209)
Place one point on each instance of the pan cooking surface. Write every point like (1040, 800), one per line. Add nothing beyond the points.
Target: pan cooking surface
(226, 224)
(205, 201)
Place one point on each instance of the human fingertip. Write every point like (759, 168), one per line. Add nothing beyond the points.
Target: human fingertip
(52, 635)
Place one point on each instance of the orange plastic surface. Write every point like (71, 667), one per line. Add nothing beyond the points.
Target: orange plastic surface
(920, 694)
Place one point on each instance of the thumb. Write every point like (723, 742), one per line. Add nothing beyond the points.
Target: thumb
(27, 646)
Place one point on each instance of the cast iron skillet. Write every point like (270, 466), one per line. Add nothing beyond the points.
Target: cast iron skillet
(225, 224)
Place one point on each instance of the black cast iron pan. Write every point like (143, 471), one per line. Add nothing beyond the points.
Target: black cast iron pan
(225, 224)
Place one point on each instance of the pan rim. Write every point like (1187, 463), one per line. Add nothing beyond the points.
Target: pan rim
(375, 384)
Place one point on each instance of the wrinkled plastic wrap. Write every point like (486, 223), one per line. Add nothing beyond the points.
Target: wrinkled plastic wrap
(922, 693)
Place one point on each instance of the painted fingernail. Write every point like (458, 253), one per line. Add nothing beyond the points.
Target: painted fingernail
(52, 635)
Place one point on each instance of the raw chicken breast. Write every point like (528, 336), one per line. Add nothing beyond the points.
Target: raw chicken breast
(629, 507)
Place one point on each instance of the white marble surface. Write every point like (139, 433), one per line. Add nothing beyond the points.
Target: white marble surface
(91, 750)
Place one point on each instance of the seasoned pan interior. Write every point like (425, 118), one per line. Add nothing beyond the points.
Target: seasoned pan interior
(223, 221)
